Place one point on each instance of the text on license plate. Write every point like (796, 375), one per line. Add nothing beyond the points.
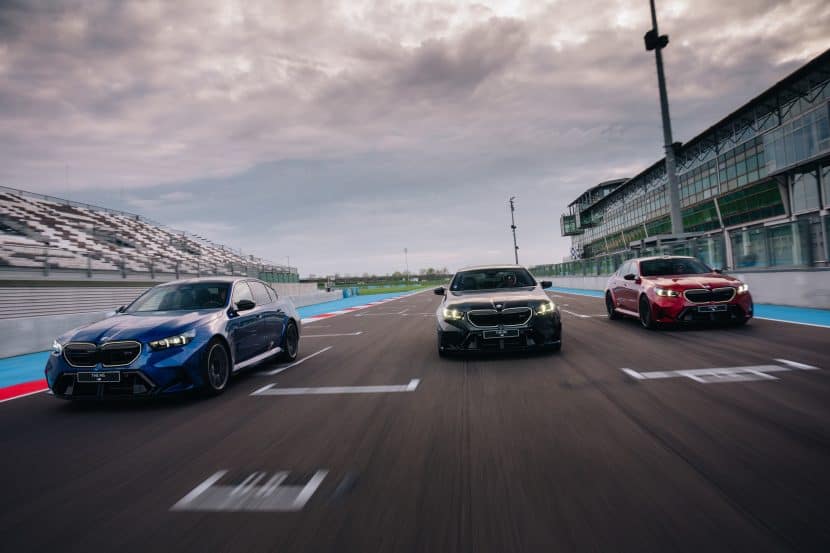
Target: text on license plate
(711, 308)
(508, 333)
(99, 376)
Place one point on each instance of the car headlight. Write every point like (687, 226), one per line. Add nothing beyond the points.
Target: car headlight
(743, 288)
(546, 308)
(453, 314)
(174, 341)
(666, 293)
(57, 347)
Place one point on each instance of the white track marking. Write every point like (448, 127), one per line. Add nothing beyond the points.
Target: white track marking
(270, 390)
(199, 490)
(24, 395)
(248, 496)
(295, 363)
(358, 333)
(796, 365)
(309, 489)
(723, 374)
(581, 316)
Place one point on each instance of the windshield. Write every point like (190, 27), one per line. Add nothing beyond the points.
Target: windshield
(182, 297)
(489, 279)
(673, 266)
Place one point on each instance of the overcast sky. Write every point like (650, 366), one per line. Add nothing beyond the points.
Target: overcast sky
(339, 133)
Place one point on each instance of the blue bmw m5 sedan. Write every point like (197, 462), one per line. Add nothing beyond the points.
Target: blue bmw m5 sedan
(176, 337)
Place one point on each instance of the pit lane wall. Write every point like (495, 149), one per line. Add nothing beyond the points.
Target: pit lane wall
(797, 288)
(31, 317)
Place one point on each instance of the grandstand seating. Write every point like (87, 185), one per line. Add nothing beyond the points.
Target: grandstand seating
(44, 232)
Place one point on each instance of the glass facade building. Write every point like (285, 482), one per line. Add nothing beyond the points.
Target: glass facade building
(755, 184)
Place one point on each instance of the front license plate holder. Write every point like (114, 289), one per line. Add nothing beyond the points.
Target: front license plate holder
(98, 376)
(711, 308)
(495, 334)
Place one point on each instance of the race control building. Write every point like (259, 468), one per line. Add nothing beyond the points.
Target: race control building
(754, 187)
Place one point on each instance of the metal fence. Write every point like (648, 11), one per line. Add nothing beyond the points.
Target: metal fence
(52, 262)
(782, 246)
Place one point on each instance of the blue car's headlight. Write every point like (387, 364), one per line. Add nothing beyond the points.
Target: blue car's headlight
(57, 347)
(174, 341)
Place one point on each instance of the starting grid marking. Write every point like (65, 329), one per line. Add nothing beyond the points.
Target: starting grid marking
(271, 390)
(724, 374)
(273, 495)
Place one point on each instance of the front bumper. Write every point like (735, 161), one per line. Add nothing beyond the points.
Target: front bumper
(541, 332)
(680, 310)
(153, 373)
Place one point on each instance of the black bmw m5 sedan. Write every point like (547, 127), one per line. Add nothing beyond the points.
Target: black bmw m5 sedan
(497, 308)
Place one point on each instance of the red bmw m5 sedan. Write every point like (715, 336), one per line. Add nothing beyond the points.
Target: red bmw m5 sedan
(676, 290)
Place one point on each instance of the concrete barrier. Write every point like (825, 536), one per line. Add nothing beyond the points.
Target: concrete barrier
(797, 288)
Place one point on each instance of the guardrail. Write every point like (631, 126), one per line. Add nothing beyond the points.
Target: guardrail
(782, 246)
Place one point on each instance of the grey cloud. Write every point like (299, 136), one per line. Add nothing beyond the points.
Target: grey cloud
(375, 118)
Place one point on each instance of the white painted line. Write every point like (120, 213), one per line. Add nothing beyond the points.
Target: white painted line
(358, 333)
(24, 395)
(247, 496)
(309, 489)
(576, 314)
(200, 489)
(792, 322)
(723, 374)
(633, 374)
(295, 363)
(796, 365)
(270, 390)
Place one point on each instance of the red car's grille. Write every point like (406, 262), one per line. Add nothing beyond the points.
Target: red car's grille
(701, 295)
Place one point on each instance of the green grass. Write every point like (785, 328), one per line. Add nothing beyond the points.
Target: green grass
(364, 291)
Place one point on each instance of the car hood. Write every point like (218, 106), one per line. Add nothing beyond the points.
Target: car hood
(143, 327)
(694, 281)
(489, 299)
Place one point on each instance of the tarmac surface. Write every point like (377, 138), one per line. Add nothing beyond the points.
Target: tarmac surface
(374, 443)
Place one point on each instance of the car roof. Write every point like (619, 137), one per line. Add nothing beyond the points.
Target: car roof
(222, 279)
(652, 257)
(493, 267)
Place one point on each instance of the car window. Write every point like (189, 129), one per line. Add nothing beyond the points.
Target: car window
(182, 297)
(674, 266)
(261, 296)
(272, 292)
(242, 292)
(490, 279)
(625, 269)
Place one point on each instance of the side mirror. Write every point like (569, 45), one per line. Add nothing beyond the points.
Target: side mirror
(439, 291)
(630, 276)
(245, 305)
(121, 309)
(546, 284)
(718, 271)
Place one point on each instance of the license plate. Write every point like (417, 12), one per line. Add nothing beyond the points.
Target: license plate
(491, 334)
(711, 308)
(99, 376)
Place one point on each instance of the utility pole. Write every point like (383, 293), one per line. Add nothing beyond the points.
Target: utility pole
(654, 41)
(406, 260)
(513, 226)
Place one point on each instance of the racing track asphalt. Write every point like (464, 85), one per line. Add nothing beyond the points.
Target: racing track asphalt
(552, 452)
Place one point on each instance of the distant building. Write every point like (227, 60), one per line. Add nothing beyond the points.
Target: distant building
(754, 187)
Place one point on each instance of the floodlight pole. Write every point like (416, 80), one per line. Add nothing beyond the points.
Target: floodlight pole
(656, 42)
(513, 226)
(406, 261)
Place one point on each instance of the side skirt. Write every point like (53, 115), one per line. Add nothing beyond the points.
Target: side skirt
(257, 358)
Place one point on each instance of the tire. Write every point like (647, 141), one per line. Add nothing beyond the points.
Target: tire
(291, 343)
(441, 351)
(609, 306)
(216, 368)
(556, 347)
(646, 317)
